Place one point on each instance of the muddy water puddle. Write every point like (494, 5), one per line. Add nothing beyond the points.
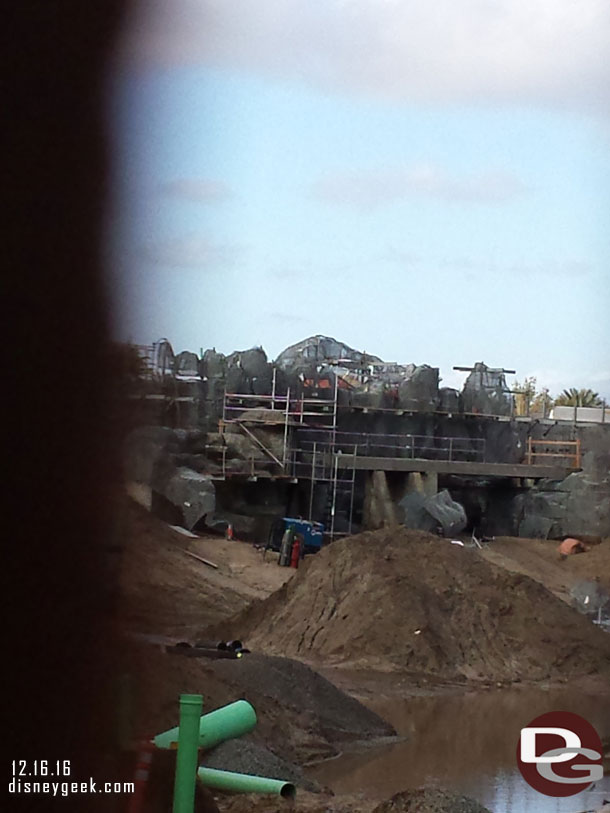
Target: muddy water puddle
(466, 743)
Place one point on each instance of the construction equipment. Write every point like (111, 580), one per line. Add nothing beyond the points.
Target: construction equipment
(312, 533)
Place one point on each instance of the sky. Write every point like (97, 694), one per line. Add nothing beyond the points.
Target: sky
(427, 182)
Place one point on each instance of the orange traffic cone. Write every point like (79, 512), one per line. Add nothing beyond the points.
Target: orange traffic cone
(229, 531)
(141, 777)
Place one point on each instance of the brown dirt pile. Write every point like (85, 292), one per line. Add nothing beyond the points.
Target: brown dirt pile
(539, 559)
(305, 803)
(422, 800)
(164, 591)
(409, 601)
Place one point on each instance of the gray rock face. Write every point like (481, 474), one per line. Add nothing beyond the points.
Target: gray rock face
(449, 400)
(213, 364)
(243, 526)
(430, 513)
(486, 392)
(192, 493)
(573, 506)
(420, 391)
(249, 372)
(253, 362)
(187, 363)
(237, 381)
(318, 350)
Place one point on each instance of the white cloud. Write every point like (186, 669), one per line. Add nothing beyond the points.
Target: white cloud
(551, 52)
(197, 190)
(287, 318)
(376, 188)
(191, 252)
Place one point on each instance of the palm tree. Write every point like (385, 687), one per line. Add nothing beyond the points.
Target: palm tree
(578, 398)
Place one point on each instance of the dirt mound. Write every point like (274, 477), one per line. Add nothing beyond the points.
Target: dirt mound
(305, 803)
(162, 589)
(301, 716)
(429, 800)
(422, 800)
(539, 559)
(409, 601)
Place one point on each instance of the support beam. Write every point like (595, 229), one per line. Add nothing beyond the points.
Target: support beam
(453, 467)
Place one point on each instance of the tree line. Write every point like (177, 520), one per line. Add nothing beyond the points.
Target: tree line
(530, 399)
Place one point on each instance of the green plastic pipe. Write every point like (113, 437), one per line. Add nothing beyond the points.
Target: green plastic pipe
(245, 783)
(186, 758)
(223, 724)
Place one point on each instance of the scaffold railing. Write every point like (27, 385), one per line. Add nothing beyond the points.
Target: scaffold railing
(554, 451)
(411, 446)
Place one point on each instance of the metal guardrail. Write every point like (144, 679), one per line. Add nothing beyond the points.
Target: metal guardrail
(453, 449)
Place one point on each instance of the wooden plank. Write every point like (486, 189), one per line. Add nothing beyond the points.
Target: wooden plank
(201, 559)
(200, 652)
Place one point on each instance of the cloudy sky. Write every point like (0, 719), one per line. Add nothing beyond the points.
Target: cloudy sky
(429, 182)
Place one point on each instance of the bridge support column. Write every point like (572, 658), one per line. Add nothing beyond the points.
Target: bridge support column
(430, 480)
(379, 508)
(422, 482)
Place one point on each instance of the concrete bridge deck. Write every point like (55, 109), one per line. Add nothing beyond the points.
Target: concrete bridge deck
(475, 469)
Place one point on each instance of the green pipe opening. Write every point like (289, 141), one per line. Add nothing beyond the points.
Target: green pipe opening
(223, 724)
(245, 783)
(186, 758)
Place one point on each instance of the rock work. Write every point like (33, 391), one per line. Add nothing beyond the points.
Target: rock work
(320, 350)
(408, 601)
(433, 512)
(486, 391)
(578, 504)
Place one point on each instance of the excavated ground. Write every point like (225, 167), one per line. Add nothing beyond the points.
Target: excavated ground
(539, 559)
(166, 592)
(408, 601)
(358, 603)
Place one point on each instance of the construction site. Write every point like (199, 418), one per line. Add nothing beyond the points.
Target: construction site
(446, 575)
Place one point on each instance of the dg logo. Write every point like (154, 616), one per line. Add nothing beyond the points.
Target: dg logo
(560, 754)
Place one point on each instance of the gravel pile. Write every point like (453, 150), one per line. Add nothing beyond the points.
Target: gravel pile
(430, 800)
(243, 756)
(338, 716)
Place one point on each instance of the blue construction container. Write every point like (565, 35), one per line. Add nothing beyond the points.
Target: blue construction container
(312, 533)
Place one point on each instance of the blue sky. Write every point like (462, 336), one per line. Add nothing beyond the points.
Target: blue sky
(431, 186)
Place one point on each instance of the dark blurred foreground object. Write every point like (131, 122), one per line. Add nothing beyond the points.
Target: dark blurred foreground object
(61, 456)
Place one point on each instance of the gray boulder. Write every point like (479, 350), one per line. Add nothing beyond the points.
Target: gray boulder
(192, 493)
(187, 363)
(213, 364)
(571, 507)
(449, 400)
(431, 513)
(420, 390)
(486, 392)
(318, 350)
